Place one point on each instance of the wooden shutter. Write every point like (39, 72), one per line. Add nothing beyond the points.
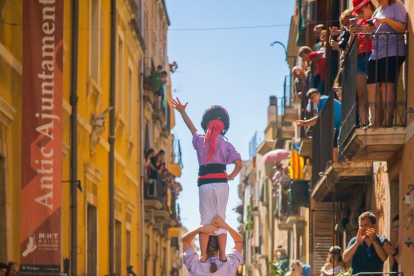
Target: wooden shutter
(322, 238)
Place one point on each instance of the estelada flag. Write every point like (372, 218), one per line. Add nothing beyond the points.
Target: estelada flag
(296, 163)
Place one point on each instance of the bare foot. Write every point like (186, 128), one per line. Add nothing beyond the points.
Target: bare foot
(203, 259)
(222, 257)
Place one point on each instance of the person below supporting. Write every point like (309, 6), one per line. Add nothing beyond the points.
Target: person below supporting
(214, 265)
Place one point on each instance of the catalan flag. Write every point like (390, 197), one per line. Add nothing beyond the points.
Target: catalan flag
(296, 163)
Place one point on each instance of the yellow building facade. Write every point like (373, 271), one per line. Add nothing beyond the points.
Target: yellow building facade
(141, 230)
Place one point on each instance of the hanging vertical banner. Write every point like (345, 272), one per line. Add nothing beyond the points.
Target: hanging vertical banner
(40, 228)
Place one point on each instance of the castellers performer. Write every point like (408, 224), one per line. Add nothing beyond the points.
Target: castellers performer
(213, 153)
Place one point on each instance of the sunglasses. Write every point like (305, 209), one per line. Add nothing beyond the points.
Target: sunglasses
(294, 269)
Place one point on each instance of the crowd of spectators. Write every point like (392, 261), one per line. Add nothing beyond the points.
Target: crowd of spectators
(378, 32)
(159, 182)
(10, 269)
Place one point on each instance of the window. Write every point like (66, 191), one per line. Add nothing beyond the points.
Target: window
(120, 64)
(92, 233)
(155, 259)
(147, 253)
(3, 210)
(94, 38)
(128, 248)
(118, 247)
(130, 99)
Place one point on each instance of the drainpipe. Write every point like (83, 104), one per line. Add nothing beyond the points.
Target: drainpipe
(111, 141)
(74, 138)
(141, 165)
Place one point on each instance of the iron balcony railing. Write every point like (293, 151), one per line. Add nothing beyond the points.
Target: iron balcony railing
(377, 105)
(379, 274)
(323, 139)
(155, 189)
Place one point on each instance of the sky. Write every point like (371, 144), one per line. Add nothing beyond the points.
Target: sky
(234, 68)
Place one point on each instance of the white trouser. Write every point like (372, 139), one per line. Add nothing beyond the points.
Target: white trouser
(213, 201)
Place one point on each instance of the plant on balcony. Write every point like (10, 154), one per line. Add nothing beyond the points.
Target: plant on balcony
(279, 268)
(345, 273)
(249, 221)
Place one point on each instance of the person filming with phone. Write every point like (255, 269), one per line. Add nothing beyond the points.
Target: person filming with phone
(366, 250)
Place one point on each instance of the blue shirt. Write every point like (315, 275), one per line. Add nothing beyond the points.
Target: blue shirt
(337, 110)
(366, 258)
(306, 270)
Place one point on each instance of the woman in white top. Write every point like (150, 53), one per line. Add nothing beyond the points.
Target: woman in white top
(334, 263)
(213, 266)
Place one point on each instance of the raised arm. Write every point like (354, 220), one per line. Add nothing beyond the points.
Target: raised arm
(238, 239)
(175, 103)
(188, 237)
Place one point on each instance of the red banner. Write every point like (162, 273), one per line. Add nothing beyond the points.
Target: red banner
(40, 230)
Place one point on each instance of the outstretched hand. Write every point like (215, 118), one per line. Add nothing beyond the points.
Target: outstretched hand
(175, 103)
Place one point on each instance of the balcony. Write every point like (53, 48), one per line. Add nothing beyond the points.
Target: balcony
(289, 199)
(291, 114)
(341, 181)
(153, 198)
(136, 21)
(332, 179)
(288, 132)
(159, 115)
(374, 130)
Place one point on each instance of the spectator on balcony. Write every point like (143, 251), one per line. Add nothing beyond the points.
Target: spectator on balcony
(277, 177)
(337, 87)
(160, 68)
(317, 31)
(285, 180)
(13, 269)
(393, 251)
(315, 61)
(366, 250)
(148, 166)
(3, 269)
(338, 40)
(364, 9)
(315, 97)
(299, 77)
(299, 269)
(388, 54)
(334, 263)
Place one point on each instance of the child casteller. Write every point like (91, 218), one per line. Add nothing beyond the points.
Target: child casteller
(213, 153)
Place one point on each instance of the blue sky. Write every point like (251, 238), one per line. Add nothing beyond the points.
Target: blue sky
(237, 69)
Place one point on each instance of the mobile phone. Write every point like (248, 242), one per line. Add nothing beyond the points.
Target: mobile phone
(353, 22)
(370, 22)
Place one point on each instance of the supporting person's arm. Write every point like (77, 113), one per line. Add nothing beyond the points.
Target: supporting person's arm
(188, 237)
(175, 103)
(238, 239)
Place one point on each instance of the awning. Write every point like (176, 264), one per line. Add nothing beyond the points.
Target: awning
(276, 155)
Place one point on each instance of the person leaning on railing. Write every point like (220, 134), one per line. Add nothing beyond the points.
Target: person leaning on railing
(388, 54)
(315, 97)
(338, 40)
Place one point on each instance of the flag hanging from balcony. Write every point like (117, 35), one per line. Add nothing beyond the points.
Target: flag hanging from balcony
(296, 163)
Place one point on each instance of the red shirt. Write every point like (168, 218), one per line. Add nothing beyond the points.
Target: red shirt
(364, 43)
(321, 61)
